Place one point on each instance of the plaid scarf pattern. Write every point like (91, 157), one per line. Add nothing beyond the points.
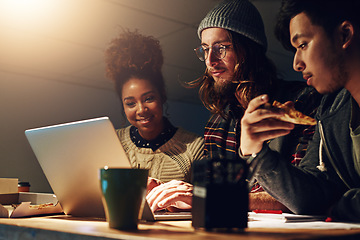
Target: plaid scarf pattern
(222, 136)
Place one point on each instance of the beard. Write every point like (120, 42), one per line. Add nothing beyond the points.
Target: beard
(225, 89)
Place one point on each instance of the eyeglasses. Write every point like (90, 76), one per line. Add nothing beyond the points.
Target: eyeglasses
(218, 50)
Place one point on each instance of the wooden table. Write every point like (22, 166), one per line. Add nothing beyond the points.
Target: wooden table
(63, 227)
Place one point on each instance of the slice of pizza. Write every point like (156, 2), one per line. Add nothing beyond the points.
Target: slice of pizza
(41, 206)
(292, 115)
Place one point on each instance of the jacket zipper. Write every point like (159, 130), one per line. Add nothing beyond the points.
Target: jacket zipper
(329, 156)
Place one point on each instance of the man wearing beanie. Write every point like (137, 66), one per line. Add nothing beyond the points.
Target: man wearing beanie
(233, 47)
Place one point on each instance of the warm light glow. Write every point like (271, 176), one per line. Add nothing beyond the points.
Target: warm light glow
(27, 13)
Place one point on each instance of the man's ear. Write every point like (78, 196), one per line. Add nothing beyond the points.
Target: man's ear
(347, 33)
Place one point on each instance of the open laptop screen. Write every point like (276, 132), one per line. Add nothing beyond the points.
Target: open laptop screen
(71, 155)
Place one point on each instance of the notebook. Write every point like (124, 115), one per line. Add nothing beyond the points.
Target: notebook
(71, 155)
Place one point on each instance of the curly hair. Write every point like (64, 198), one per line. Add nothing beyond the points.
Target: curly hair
(133, 55)
(255, 74)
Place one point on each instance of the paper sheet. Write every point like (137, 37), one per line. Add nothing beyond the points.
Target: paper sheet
(293, 221)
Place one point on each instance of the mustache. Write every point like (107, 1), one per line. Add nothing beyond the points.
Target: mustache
(212, 69)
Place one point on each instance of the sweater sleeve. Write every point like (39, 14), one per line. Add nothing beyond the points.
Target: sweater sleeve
(194, 144)
(194, 148)
(197, 148)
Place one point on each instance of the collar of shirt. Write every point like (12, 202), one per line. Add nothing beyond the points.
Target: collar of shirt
(167, 133)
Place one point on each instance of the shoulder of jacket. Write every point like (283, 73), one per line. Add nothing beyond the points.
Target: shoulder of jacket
(333, 102)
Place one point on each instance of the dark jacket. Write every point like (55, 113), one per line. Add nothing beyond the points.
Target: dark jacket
(307, 189)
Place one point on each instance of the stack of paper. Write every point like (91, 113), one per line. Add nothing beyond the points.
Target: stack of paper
(293, 221)
(284, 217)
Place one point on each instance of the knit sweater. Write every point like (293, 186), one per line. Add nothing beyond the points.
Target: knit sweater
(173, 160)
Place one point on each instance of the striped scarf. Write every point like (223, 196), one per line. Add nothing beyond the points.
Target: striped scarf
(222, 136)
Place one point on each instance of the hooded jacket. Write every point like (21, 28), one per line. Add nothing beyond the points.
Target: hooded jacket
(326, 180)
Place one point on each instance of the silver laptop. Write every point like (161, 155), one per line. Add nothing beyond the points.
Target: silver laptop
(149, 216)
(71, 155)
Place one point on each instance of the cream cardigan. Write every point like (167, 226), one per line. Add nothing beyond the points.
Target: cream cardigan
(172, 160)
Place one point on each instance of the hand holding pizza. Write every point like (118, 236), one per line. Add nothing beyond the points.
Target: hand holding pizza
(260, 124)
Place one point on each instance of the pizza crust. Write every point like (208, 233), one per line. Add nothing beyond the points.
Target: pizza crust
(41, 206)
(292, 115)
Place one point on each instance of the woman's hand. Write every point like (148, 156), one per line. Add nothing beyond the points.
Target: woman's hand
(151, 183)
(259, 125)
(173, 195)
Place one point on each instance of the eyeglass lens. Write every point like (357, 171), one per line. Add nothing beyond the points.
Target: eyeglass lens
(218, 50)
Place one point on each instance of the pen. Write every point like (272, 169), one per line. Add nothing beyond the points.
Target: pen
(328, 219)
(267, 211)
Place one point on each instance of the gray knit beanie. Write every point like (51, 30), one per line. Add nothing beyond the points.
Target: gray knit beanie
(239, 16)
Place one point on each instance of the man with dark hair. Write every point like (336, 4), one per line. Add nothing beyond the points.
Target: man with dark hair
(325, 37)
(233, 47)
